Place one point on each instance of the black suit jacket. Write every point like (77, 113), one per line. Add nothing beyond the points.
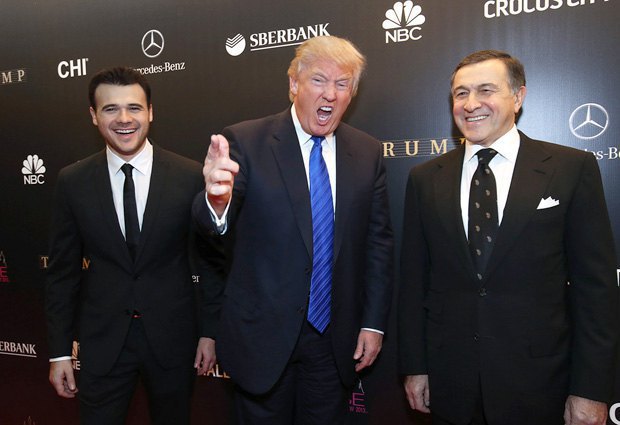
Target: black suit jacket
(267, 289)
(95, 305)
(524, 335)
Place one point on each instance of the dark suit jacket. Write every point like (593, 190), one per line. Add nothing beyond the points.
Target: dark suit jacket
(524, 333)
(95, 305)
(267, 289)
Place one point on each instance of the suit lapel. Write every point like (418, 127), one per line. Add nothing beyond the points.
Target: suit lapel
(345, 180)
(287, 153)
(157, 187)
(447, 189)
(531, 176)
(106, 205)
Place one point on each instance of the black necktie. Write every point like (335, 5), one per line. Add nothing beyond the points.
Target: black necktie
(483, 219)
(132, 227)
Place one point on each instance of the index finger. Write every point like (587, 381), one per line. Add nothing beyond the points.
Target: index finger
(219, 147)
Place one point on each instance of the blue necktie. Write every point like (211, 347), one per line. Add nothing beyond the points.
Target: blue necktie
(322, 239)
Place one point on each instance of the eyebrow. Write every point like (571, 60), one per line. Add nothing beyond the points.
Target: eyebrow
(112, 105)
(476, 87)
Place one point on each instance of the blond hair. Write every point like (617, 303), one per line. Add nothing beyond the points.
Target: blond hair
(328, 48)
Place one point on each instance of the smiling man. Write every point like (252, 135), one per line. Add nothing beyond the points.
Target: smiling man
(128, 210)
(309, 290)
(508, 299)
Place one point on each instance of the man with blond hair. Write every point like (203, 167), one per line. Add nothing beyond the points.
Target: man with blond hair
(308, 294)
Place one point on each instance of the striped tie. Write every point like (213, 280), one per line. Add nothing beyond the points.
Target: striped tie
(322, 239)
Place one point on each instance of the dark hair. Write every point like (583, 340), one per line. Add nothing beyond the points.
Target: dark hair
(118, 76)
(516, 72)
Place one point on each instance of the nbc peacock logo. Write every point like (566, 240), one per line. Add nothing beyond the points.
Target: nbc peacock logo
(403, 22)
(33, 170)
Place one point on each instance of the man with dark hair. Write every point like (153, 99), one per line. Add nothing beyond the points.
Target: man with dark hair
(508, 299)
(128, 210)
(309, 290)
(119, 76)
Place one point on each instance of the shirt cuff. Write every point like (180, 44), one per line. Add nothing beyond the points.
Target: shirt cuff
(221, 224)
(374, 330)
(58, 359)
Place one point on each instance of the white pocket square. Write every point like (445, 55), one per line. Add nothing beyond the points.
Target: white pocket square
(548, 203)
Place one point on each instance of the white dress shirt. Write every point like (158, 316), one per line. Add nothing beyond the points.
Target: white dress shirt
(502, 165)
(142, 165)
(328, 150)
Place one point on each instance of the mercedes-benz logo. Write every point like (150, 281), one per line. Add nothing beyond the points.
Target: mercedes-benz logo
(588, 121)
(152, 43)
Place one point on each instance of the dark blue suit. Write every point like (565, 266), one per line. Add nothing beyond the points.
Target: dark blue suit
(264, 306)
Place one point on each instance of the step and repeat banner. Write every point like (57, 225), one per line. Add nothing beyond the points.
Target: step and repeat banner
(212, 63)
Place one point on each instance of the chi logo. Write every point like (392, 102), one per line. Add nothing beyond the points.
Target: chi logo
(33, 170)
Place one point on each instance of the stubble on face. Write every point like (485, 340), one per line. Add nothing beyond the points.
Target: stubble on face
(122, 117)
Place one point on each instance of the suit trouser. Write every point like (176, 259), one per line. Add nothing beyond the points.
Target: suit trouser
(309, 392)
(478, 418)
(105, 399)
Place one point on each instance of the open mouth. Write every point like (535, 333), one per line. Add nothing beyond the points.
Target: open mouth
(324, 113)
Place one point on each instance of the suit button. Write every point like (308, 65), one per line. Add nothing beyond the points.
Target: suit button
(482, 292)
(476, 337)
(301, 310)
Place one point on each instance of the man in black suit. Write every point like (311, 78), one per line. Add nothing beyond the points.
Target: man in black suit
(508, 297)
(291, 339)
(133, 310)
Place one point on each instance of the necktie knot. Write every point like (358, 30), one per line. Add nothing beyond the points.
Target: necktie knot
(317, 140)
(486, 155)
(127, 169)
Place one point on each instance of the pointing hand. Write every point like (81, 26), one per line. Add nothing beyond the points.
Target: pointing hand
(219, 172)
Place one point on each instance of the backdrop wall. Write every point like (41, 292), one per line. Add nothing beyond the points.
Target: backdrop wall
(216, 62)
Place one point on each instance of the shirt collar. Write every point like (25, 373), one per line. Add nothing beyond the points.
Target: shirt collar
(141, 162)
(304, 137)
(507, 146)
